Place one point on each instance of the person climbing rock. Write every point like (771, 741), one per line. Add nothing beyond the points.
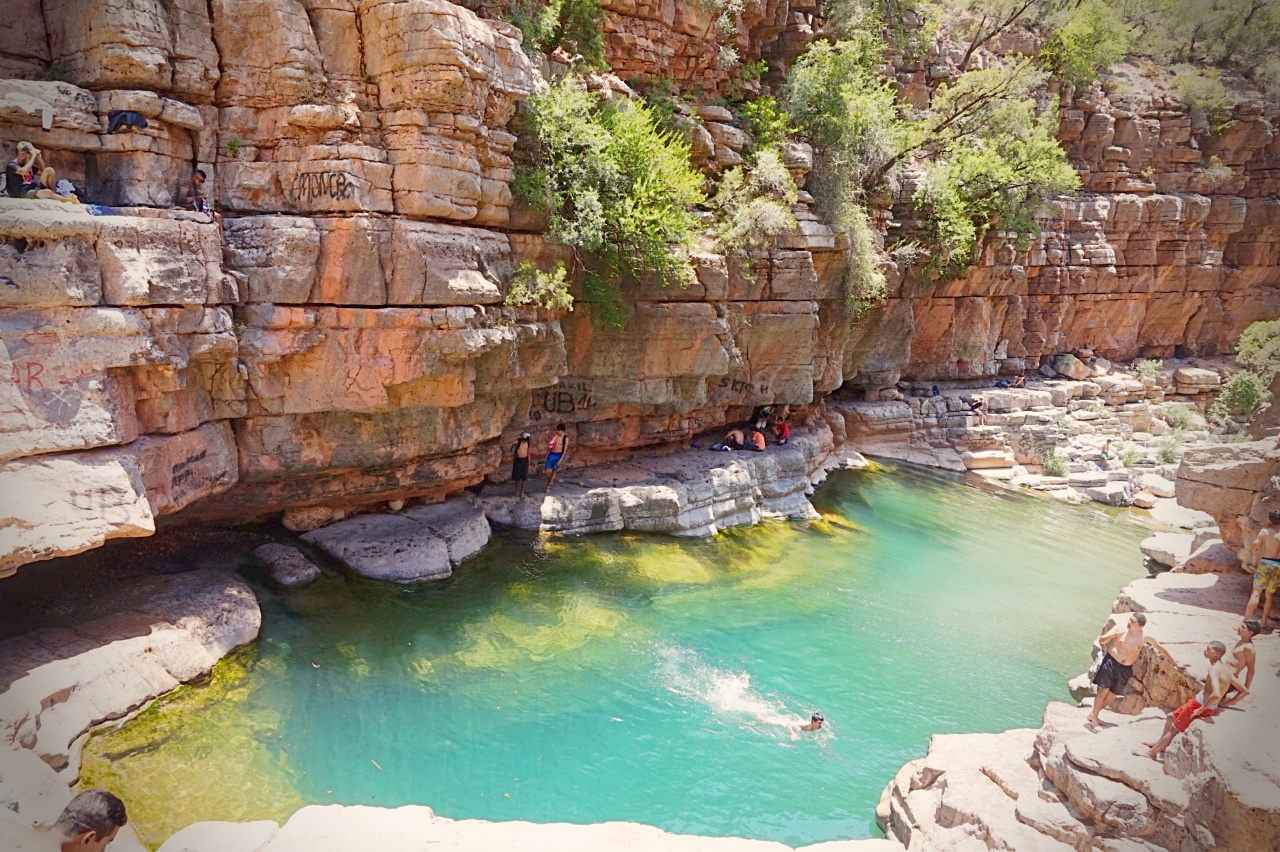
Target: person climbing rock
(1266, 575)
(192, 196)
(1121, 648)
(520, 463)
(1201, 706)
(556, 449)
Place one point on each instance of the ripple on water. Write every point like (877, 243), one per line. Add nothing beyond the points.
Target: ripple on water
(634, 677)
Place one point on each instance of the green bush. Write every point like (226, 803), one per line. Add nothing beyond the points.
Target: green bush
(576, 26)
(1088, 39)
(1168, 452)
(1056, 465)
(1178, 416)
(530, 286)
(1259, 348)
(754, 206)
(1130, 457)
(1148, 368)
(768, 122)
(1202, 90)
(1242, 395)
(617, 187)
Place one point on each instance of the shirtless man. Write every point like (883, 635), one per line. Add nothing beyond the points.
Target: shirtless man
(1242, 658)
(814, 723)
(1216, 684)
(520, 463)
(1117, 667)
(735, 440)
(1266, 576)
(556, 449)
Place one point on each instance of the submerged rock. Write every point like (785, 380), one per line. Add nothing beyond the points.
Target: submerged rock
(288, 565)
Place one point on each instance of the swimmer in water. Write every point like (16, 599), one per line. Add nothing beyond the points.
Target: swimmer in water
(815, 722)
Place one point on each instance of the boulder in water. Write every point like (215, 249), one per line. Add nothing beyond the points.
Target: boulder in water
(288, 566)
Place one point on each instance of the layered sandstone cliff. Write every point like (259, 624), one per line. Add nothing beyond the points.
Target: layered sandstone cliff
(341, 350)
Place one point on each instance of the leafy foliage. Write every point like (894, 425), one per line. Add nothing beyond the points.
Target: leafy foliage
(1259, 348)
(1242, 395)
(530, 286)
(768, 122)
(1149, 368)
(1210, 101)
(1178, 416)
(576, 26)
(617, 187)
(1056, 465)
(1087, 39)
(754, 206)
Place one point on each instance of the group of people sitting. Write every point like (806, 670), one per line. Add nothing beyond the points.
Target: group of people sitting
(763, 420)
(28, 176)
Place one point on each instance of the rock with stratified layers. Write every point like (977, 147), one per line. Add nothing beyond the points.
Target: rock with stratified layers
(1195, 380)
(1167, 549)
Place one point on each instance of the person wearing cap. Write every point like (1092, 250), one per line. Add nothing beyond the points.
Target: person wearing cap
(520, 463)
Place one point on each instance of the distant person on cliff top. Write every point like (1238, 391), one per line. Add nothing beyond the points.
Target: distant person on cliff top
(1242, 658)
(556, 449)
(757, 441)
(1121, 647)
(735, 440)
(1207, 703)
(87, 824)
(1266, 576)
(520, 463)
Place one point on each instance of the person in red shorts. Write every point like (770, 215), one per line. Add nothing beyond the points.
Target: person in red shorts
(1216, 683)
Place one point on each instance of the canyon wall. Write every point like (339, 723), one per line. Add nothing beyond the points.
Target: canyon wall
(342, 349)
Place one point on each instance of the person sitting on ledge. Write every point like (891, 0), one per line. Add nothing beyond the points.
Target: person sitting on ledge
(1202, 706)
(27, 176)
(757, 441)
(976, 406)
(735, 440)
(1020, 380)
(191, 196)
(782, 430)
(87, 824)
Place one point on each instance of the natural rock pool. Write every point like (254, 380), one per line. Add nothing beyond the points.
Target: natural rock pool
(643, 678)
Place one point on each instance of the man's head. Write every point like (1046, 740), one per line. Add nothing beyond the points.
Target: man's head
(1138, 620)
(91, 821)
(198, 177)
(1249, 628)
(1274, 517)
(817, 719)
(1214, 651)
(560, 427)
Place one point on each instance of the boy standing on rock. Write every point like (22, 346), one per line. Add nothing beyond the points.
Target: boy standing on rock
(556, 448)
(520, 463)
(1242, 658)
(1266, 577)
(1207, 703)
(1125, 644)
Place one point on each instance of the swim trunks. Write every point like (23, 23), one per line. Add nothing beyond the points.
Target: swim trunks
(1189, 712)
(519, 468)
(1267, 577)
(1112, 675)
(553, 461)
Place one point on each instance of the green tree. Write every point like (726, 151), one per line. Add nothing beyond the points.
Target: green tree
(1087, 39)
(754, 205)
(576, 26)
(1259, 348)
(618, 188)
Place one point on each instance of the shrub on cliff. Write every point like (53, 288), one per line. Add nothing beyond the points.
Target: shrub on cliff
(1087, 40)
(618, 188)
(1242, 395)
(754, 205)
(575, 26)
(1259, 348)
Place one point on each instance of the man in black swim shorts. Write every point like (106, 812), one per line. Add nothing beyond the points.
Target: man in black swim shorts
(520, 463)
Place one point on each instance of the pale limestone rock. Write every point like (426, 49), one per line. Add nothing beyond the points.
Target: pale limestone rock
(1194, 380)
(1167, 548)
(1213, 557)
(289, 567)
(1157, 485)
(29, 788)
(1071, 367)
(222, 837)
(56, 690)
(57, 505)
(987, 459)
(1144, 500)
(422, 544)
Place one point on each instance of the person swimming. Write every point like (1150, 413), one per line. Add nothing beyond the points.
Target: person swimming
(815, 722)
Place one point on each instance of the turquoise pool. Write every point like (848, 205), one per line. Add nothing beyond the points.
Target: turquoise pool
(643, 678)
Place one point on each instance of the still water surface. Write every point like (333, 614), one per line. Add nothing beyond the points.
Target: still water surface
(643, 678)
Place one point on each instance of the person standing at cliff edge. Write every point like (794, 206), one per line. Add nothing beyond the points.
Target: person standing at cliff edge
(1121, 647)
(557, 447)
(1266, 576)
(520, 463)
(87, 824)
(1216, 684)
